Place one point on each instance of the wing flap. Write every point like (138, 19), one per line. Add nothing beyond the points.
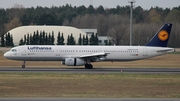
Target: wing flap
(94, 55)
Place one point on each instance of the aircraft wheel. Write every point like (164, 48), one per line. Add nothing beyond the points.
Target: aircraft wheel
(23, 66)
(88, 66)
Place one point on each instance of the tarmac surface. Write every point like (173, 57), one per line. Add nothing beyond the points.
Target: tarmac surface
(95, 70)
(89, 99)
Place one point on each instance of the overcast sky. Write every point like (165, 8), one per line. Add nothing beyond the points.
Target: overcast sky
(146, 4)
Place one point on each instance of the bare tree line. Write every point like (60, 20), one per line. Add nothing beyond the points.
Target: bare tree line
(117, 27)
(113, 22)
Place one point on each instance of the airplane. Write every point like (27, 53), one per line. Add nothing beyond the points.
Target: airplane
(85, 55)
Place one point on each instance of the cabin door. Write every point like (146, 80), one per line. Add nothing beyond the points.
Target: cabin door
(145, 52)
(23, 51)
(57, 51)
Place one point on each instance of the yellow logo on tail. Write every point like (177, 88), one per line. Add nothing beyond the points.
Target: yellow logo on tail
(163, 35)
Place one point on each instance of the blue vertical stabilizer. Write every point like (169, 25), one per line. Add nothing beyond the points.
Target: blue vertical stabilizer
(161, 38)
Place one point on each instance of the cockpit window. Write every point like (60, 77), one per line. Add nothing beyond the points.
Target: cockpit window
(13, 50)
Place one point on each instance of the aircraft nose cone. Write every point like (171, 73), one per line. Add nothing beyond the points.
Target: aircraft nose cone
(6, 55)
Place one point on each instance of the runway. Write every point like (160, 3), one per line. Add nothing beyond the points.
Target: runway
(95, 70)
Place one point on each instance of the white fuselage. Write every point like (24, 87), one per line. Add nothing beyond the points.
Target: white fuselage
(60, 53)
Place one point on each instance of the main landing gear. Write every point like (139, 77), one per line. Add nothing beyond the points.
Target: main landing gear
(23, 65)
(88, 66)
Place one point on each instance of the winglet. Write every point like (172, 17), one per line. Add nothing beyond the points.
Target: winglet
(161, 38)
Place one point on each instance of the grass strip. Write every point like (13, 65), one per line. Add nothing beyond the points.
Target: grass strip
(120, 85)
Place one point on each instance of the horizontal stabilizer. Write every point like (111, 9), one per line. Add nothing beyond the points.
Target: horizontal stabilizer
(166, 50)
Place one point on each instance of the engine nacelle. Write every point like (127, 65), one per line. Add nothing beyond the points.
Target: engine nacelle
(74, 62)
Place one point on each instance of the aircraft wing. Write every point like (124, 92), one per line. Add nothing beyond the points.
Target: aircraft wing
(95, 56)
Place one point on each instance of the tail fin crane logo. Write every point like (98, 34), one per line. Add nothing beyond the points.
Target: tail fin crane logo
(163, 35)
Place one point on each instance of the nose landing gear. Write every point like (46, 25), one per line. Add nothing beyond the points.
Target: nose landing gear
(23, 65)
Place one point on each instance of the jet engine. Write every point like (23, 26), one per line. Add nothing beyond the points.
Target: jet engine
(73, 62)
